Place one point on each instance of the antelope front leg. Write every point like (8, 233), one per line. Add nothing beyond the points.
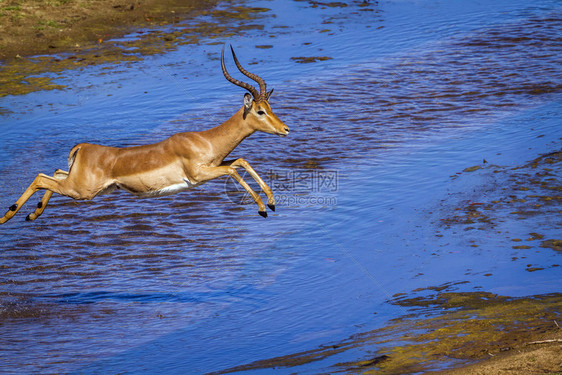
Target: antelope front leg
(210, 173)
(59, 175)
(266, 189)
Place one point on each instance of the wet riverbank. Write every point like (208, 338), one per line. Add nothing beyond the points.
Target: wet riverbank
(101, 40)
(30, 29)
(419, 186)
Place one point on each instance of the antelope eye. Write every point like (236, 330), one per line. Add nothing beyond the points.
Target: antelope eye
(261, 113)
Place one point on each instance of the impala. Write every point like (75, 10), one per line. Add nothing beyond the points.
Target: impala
(183, 161)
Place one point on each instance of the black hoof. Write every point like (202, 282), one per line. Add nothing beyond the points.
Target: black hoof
(271, 207)
(263, 213)
(40, 205)
(28, 217)
(13, 207)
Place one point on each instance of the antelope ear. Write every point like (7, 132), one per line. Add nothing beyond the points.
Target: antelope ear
(247, 104)
(247, 101)
(269, 94)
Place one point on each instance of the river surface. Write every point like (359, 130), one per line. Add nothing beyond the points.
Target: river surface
(402, 98)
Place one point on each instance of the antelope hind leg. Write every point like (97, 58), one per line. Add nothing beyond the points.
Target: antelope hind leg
(20, 202)
(59, 175)
(42, 181)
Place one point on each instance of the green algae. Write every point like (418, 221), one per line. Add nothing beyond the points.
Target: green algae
(472, 169)
(531, 191)
(311, 59)
(237, 13)
(552, 244)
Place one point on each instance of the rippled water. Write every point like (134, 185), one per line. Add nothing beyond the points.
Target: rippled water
(196, 282)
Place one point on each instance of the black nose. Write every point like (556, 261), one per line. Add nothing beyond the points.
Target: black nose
(287, 130)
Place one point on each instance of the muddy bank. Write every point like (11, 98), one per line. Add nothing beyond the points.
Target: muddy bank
(158, 27)
(29, 28)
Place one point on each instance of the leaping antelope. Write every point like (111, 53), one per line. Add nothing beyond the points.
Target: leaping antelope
(183, 161)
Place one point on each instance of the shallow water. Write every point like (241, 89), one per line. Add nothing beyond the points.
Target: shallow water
(413, 94)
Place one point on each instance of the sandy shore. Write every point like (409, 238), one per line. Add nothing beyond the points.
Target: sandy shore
(538, 359)
(30, 28)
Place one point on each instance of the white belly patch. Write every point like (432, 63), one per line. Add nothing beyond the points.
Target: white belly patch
(169, 190)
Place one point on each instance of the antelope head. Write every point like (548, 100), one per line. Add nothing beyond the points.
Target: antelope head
(257, 112)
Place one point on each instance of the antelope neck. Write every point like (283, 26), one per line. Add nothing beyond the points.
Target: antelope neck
(228, 135)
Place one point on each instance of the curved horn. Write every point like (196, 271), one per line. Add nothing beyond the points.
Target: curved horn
(244, 85)
(259, 80)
